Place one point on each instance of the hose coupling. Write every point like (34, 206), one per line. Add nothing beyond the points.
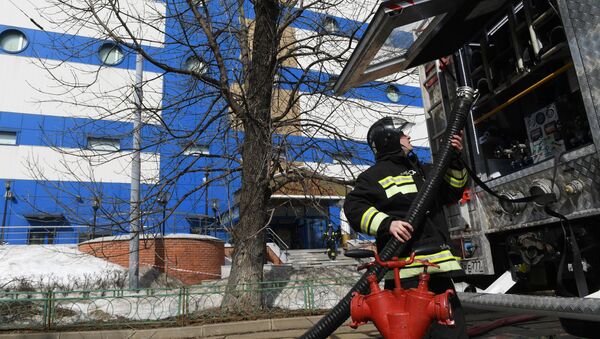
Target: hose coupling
(466, 92)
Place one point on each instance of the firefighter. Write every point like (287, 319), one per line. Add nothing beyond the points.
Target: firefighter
(331, 237)
(381, 199)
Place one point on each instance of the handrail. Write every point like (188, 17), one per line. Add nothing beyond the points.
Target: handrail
(277, 240)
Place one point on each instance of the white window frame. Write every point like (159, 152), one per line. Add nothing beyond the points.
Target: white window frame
(196, 150)
(24, 41)
(328, 23)
(103, 144)
(112, 48)
(8, 138)
(342, 158)
(196, 64)
(392, 90)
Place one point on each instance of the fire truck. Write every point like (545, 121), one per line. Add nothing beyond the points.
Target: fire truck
(529, 224)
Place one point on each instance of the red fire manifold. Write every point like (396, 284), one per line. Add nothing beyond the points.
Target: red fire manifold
(401, 313)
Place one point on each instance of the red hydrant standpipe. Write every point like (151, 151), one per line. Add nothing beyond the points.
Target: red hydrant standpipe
(401, 314)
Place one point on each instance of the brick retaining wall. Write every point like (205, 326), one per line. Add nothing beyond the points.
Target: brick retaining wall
(188, 257)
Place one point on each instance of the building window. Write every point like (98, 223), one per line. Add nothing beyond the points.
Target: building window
(195, 64)
(196, 150)
(393, 93)
(205, 226)
(41, 235)
(13, 41)
(110, 54)
(8, 138)
(342, 158)
(201, 3)
(331, 25)
(103, 144)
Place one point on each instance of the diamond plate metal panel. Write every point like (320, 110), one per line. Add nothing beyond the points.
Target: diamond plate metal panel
(572, 155)
(581, 19)
(585, 169)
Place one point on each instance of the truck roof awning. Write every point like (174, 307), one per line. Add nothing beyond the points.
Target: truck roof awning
(446, 25)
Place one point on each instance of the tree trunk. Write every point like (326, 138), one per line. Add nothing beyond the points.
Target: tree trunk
(257, 152)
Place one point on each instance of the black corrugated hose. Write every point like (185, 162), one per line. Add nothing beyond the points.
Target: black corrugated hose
(465, 96)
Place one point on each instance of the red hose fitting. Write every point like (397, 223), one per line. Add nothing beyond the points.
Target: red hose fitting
(440, 306)
(401, 314)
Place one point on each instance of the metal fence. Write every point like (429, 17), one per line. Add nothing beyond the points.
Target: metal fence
(193, 304)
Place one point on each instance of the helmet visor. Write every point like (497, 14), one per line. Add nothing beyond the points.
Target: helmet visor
(402, 125)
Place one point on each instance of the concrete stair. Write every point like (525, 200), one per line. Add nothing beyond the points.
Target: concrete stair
(317, 257)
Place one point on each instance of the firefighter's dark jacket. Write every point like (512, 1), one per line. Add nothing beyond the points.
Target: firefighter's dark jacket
(385, 191)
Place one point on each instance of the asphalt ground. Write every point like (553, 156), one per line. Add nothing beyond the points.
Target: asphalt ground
(544, 327)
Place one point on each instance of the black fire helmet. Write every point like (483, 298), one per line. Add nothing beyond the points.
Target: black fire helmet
(384, 135)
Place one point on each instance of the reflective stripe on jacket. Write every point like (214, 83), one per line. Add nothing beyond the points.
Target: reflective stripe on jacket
(445, 259)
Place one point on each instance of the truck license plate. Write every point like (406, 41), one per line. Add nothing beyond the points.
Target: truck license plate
(473, 267)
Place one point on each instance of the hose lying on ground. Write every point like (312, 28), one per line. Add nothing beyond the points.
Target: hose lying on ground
(336, 317)
(515, 319)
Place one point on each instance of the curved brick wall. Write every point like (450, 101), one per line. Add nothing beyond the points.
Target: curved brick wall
(190, 258)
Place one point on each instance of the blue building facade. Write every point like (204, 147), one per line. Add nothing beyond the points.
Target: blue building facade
(66, 124)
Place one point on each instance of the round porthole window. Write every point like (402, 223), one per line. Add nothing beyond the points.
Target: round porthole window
(331, 25)
(393, 93)
(195, 64)
(110, 54)
(13, 41)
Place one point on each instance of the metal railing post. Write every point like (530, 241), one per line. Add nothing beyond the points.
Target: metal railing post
(49, 305)
(187, 303)
(311, 295)
(181, 313)
(306, 298)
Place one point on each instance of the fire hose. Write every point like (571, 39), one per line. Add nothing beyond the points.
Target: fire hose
(465, 97)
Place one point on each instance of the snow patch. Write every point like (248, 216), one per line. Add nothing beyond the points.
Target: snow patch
(56, 267)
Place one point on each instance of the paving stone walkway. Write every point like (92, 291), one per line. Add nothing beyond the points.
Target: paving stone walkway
(542, 328)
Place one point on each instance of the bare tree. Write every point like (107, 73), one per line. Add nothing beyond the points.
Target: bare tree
(243, 80)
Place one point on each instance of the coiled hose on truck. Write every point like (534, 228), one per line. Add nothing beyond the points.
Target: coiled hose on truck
(465, 96)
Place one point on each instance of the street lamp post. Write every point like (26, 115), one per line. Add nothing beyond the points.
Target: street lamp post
(136, 166)
(216, 222)
(206, 195)
(7, 196)
(204, 222)
(163, 199)
(95, 205)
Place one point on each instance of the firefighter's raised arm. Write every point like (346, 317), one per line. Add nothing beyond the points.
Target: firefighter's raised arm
(456, 175)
